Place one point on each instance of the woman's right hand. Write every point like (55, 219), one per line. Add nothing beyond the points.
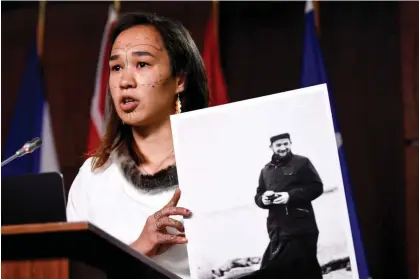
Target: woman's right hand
(154, 239)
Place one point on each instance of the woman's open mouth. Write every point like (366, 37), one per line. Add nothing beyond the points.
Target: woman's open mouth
(128, 104)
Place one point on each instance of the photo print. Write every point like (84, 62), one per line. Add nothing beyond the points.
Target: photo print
(262, 178)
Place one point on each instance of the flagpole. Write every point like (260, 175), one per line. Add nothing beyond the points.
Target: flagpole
(215, 16)
(41, 26)
(117, 5)
(316, 9)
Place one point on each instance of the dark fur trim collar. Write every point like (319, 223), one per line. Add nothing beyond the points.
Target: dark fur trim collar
(163, 180)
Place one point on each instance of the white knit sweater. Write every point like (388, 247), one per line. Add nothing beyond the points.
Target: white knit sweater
(108, 201)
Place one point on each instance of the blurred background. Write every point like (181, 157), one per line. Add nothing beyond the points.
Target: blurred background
(370, 56)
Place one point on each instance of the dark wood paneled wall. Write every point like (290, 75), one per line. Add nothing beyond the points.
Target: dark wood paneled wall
(409, 14)
(261, 47)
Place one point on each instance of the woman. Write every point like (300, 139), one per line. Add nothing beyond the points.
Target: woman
(128, 187)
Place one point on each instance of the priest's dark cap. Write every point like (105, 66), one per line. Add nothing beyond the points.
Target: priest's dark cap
(280, 136)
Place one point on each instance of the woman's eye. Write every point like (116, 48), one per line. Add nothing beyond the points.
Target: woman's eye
(116, 68)
(142, 64)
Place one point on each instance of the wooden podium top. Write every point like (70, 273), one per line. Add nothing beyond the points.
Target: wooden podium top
(77, 241)
(43, 228)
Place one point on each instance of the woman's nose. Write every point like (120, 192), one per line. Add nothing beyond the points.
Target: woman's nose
(127, 80)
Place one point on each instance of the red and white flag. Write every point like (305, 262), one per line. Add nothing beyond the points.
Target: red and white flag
(97, 109)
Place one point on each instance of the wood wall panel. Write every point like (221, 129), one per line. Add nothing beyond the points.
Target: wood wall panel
(412, 208)
(410, 67)
(409, 14)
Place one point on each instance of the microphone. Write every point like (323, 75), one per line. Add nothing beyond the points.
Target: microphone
(27, 148)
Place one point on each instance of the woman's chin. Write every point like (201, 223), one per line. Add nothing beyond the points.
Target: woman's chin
(138, 122)
(141, 120)
(133, 119)
(134, 122)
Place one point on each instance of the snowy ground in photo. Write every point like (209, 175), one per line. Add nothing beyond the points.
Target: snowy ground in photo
(241, 233)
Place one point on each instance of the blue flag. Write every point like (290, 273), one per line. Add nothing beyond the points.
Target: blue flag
(313, 73)
(30, 120)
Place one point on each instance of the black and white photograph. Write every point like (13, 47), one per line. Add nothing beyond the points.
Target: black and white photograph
(263, 179)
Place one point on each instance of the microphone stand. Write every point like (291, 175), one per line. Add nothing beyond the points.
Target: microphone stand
(8, 160)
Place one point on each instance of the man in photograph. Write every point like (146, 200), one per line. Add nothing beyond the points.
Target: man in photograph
(287, 186)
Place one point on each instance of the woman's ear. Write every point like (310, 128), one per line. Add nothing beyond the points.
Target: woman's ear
(180, 83)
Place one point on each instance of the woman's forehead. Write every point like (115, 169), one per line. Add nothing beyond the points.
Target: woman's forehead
(138, 36)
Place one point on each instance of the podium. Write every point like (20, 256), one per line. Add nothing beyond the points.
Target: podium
(71, 250)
